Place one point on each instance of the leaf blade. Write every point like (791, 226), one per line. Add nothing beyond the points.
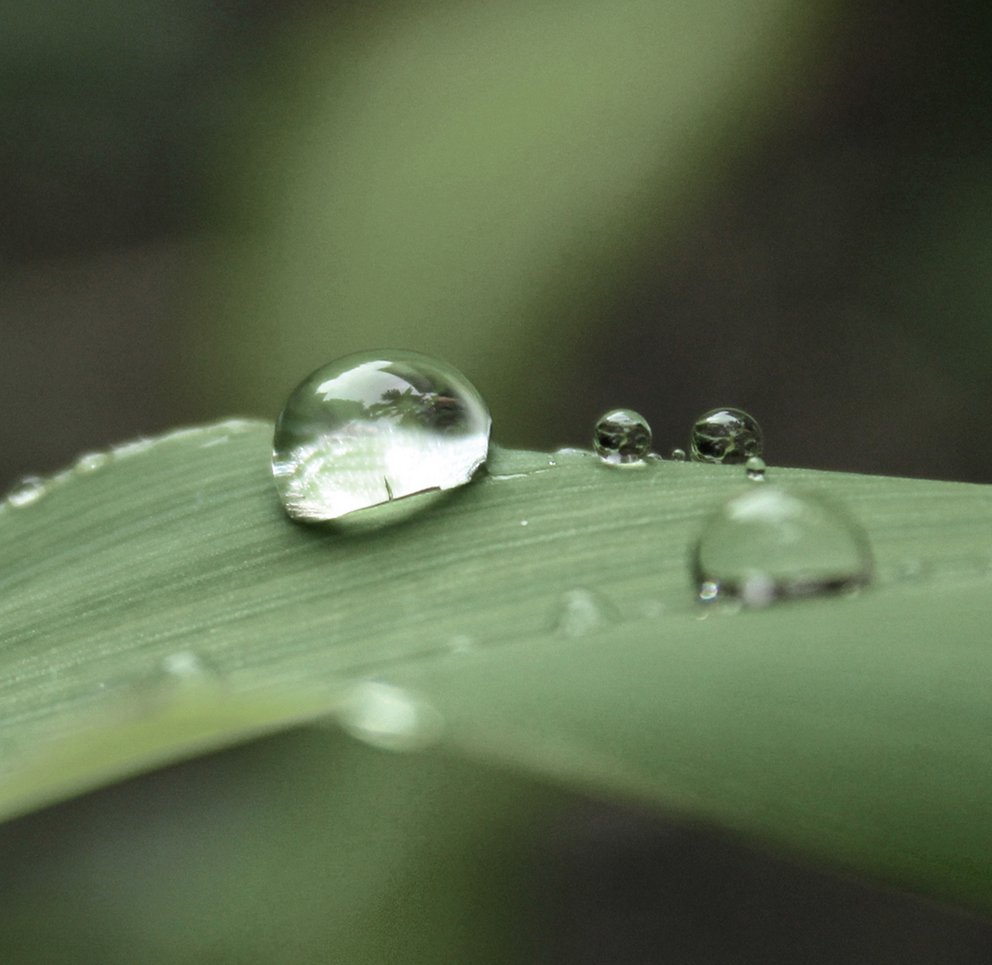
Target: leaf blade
(182, 547)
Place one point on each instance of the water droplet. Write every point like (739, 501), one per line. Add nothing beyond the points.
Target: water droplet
(678, 455)
(389, 717)
(727, 436)
(26, 492)
(90, 462)
(376, 427)
(570, 455)
(622, 437)
(179, 677)
(755, 468)
(581, 611)
(768, 544)
(189, 667)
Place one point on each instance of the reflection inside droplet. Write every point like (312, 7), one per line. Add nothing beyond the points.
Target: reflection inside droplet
(726, 436)
(373, 428)
(622, 437)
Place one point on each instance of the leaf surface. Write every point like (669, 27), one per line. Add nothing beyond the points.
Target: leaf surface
(163, 604)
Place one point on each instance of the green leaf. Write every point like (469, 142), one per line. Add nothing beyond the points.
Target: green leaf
(163, 604)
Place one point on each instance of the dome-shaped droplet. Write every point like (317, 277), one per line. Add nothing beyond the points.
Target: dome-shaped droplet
(26, 492)
(768, 544)
(678, 455)
(90, 462)
(389, 717)
(581, 611)
(727, 436)
(375, 427)
(622, 437)
(755, 469)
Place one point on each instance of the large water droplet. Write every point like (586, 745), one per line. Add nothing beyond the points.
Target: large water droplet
(26, 492)
(389, 717)
(768, 544)
(725, 435)
(582, 611)
(622, 437)
(375, 427)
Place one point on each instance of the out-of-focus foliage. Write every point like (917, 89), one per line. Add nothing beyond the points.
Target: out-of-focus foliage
(474, 180)
(743, 204)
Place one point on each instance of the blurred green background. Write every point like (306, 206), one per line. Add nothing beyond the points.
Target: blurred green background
(784, 207)
(666, 206)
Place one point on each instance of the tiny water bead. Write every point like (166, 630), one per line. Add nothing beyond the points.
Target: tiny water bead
(188, 667)
(755, 469)
(768, 544)
(582, 611)
(26, 492)
(177, 678)
(678, 455)
(90, 462)
(375, 427)
(725, 436)
(622, 437)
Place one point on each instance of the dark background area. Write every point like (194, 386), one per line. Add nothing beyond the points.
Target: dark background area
(834, 278)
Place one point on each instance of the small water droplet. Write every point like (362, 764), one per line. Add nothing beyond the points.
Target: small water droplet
(678, 455)
(768, 544)
(582, 611)
(708, 590)
(376, 427)
(90, 462)
(189, 667)
(570, 455)
(525, 522)
(755, 468)
(389, 717)
(622, 437)
(725, 436)
(26, 492)
(178, 677)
